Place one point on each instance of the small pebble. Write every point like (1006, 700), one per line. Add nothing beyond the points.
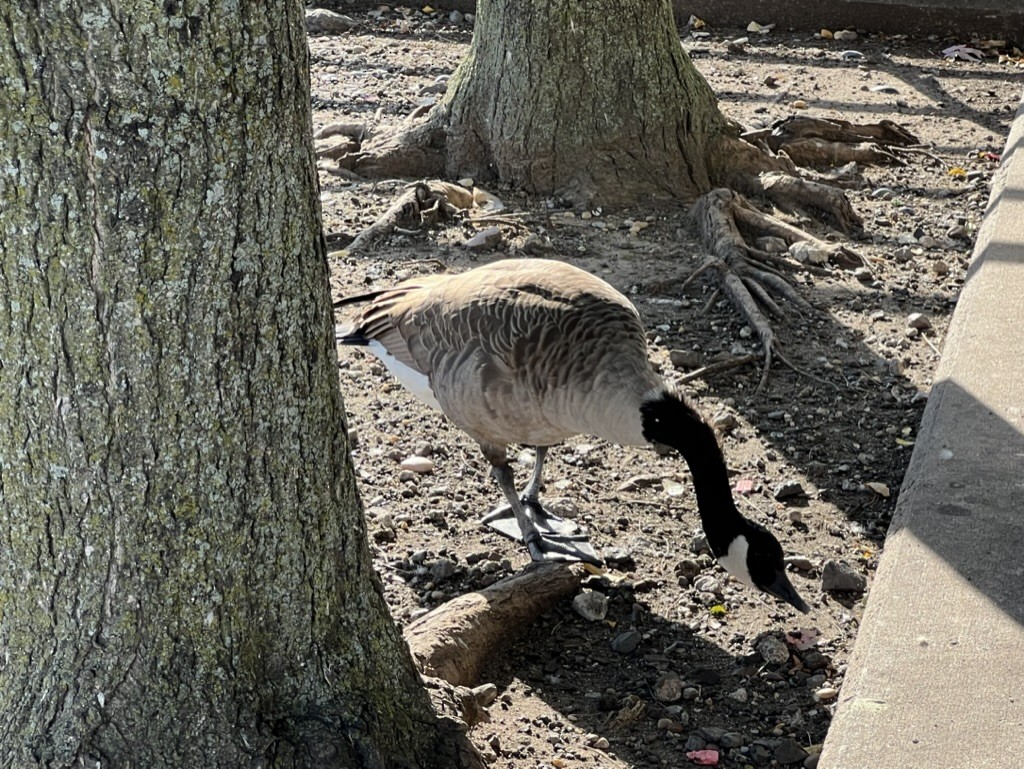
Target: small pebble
(731, 740)
(844, 35)
(740, 695)
(773, 650)
(619, 558)
(626, 643)
(803, 251)
(800, 562)
(919, 321)
(484, 240)
(789, 751)
(826, 694)
(418, 464)
(591, 605)
(485, 694)
(836, 575)
(788, 489)
(799, 104)
(442, 569)
(668, 688)
(685, 359)
(724, 422)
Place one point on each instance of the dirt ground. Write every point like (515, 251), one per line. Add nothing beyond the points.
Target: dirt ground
(843, 429)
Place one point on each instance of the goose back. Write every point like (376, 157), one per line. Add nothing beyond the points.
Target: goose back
(527, 351)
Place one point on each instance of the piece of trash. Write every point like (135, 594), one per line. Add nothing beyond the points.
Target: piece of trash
(963, 52)
(879, 488)
(718, 610)
(957, 172)
(803, 639)
(745, 486)
(703, 757)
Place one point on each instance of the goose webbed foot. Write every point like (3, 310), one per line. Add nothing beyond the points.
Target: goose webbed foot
(548, 538)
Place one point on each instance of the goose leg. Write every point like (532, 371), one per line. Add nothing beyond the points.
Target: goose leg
(547, 537)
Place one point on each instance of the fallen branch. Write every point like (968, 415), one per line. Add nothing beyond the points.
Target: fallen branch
(458, 638)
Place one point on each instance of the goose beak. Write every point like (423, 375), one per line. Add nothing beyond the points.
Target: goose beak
(783, 589)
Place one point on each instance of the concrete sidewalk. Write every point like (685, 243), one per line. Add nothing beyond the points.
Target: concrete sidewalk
(936, 680)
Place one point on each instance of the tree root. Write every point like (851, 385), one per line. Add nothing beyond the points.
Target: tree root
(753, 287)
(814, 142)
(424, 204)
(458, 638)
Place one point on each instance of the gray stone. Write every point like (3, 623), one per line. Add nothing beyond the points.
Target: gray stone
(837, 575)
(731, 740)
(591, 605)
(919, 321)
(320, 21)
(694, 742)
(788, 489)
(800, 562)
(699, 544)
(484, 240)
(688, 568)
(619, 558)
(773, 650)
(711, 733)
(789, 751)
(740, 695)
(668, 688)
(685, 359)
(442, 569)
(626, 643)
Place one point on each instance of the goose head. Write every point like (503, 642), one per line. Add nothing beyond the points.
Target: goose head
(747, 550)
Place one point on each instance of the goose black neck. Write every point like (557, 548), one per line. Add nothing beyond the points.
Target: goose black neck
(668, 419)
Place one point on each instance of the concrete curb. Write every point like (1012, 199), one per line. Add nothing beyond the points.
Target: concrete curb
(999, 19)
(935, 681)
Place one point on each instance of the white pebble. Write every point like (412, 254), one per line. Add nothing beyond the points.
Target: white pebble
(418, 464)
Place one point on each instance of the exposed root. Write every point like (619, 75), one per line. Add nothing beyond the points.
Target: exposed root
(815, 142)
(791, 193)
(414, 149)
(425, 204)
(418, 205)
(753, 287)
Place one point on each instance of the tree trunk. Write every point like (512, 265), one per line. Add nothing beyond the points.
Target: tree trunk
(184, 579)
(595, 102)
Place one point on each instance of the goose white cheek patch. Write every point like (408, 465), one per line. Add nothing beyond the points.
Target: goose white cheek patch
(735, 561)
(412, 380)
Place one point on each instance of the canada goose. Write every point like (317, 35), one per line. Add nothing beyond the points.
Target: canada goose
(534, 351)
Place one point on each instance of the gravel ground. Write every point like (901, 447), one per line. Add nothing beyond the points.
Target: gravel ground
(685, 660)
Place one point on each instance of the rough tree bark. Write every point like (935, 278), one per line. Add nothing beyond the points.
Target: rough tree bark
(184, 579)
(594, 102)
